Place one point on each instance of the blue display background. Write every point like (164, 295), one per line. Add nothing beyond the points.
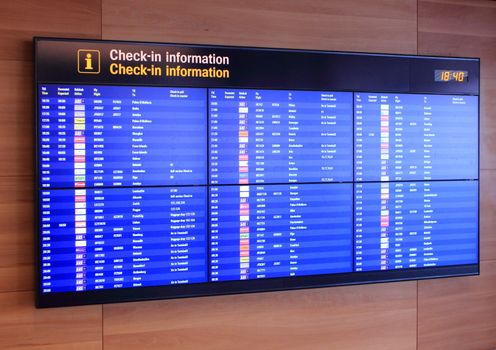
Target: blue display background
(415, 224)
(143, 136)
(151, 186)
(292, 136)
(290, 230)
(402, 137)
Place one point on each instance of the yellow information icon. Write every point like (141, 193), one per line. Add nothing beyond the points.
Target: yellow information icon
(88, 61)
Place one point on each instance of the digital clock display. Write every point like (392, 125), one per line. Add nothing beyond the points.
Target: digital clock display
(458, 76)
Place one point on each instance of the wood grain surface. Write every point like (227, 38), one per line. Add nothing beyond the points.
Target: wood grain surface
(487, 212)
(17, 118)
(488, 123)
(458, 313)
(24, 327)
(358, 25)
(20, 20)
(381, 316)
(16, 234)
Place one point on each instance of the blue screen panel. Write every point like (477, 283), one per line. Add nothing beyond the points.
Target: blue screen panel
(278, 136)
(96, 136)
(263, 231)
(148, 186)
(122, 237)
(400, 137)
(401, 225)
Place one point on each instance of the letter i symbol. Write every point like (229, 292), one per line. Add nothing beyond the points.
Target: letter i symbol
(88, 60)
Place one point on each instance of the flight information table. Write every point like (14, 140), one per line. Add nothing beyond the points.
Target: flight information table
(122, 136)
(415, 224)
(277, 136)
(263, 231)
(122, 237)
(415, 137)
(146, 186)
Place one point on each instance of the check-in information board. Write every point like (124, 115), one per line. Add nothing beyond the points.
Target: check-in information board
(168, 171)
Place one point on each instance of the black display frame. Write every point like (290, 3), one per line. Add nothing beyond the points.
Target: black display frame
(58, 299)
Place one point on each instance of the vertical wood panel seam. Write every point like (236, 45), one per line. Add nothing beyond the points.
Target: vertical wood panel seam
(101, 19)
(417, 25)
(103, 321)
(417, 320)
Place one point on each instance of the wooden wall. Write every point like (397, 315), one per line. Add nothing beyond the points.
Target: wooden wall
(455, 313)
